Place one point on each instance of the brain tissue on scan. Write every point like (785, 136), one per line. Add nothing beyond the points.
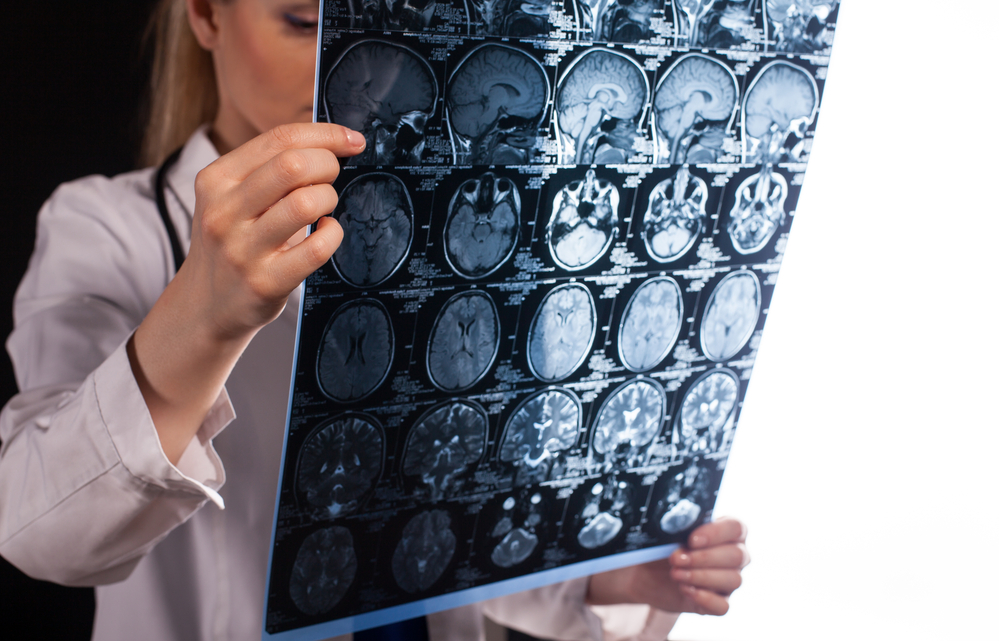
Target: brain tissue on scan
(584, 223)
(782, 100)
(731, 315)
(603, 514)
(444, 444)
(544, 425)
(707, 413)
(617, 20)
(387, 92)
(464, 341)
(802, 26)
(715, 24)
(599, 105)
(675, 217)
(507, 18)
(376, 214)
(323, 571)
(339, 463)
(694, 102)
(482, 225)
(517, 543)
(561, 332)
(496, 99)
(356, 350)
(424, 551)
(628, 421)
(650, 324)
(686, 491)
(391, 15)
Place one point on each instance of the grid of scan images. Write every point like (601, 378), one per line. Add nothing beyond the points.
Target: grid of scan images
(561, 241)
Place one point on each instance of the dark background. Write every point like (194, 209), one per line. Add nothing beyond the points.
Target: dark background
(74, 74)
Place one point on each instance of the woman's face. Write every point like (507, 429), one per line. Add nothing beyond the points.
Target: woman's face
(265, 58)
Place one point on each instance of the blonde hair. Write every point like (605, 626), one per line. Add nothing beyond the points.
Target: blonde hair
(182, 90)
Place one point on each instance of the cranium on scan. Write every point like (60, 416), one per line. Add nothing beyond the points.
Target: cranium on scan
(496, 99)
(424, 551)
(443, 444)
(758, 210)
(323, 571)
(627, 422)
(650, 324)
(693, 108)
(387, 92)
(520, 522)
(356, 351)
(464, 341)
(731, 315)
(482, 226)
(675, 216)
(802, 26)
(782, 100)
(539, 430)
(599, 107)
(391, 15)
(509, 18)
(584, 222)
(706, 419)
(616, 20)
(718, 24)
(604, 513)
(561, 332)
(689, 14)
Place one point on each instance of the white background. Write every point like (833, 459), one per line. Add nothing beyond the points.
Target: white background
(865, 461)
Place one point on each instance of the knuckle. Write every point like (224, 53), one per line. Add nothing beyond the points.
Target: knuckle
(291, 164)
(303, 202)
(286, 135)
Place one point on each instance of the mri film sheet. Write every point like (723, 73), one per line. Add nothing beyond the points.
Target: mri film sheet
(527, 360)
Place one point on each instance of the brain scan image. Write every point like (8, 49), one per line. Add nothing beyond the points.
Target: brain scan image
(707, 413)
(376, 214)
(340, 462)
(714, 24)
(584, 223)
(604, 514)
(444, 444)
(561, 332)
(617, 20)
(356, 351)
(731, 315)
(517, 528)
(387, 92)
(675, 217)
(519, 19)
(782, 100)
(650, 324)
(758, 211)
(544, 425)
(482, 225)
(628, 421)
(391, 15)
(496, 99)
(323, 571)
(802, 26)
(680, 517)
(424, 551)
(693, 106)
(515, 548)
(464, 341)
(687, 491)
(599, 107)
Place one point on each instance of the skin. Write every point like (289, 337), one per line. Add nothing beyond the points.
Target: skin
(249, 253)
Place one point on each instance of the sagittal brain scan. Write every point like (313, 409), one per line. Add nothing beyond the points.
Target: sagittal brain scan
(376, 214)
(628, 421)
(561, 332)
(483, 225)
(693, 104)
(444, 444)
(508, 18)
(464, 341)
(424, 551)
(496, 99)
(650, 324)
(707, 412)
(387, 92)
(731, 315)
(617, 20)
(340, 463)
(584, 222)
(543, 426)
(599, 105)
(675, 216)
(323, 571)
(714, 23)
(781, 101)
(802, 26)
(517, 528)
(391, 15)
(356, 350)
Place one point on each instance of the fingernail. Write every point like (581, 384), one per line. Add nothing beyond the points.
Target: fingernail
(698, 540)
(682, 575)
(355, 138)
(681, 559)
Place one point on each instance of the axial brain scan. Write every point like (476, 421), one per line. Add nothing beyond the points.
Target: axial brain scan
(482, 226)
(444, 444)
(561, 332)
(515, 548)
(376, 214)
(340, 462)
(356, 351)
(629, 419)
(599, 104)
(731, 315)
(464, 341)
(387, 92)
(758, 211)
(424, 551)
(693, 103)
(391, 15)
(603, 515)
(496, 98)
(707, 412)
(584, 223)
(802, 26)
(650, 324)
(680, 517)
(323, 571)
(543, 426)
(782, 100)
(675, 217)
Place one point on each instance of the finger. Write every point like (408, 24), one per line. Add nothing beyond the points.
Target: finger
(244, 160)
(705, 601)
(723, 582)
(280, 176)
(730, 555)
(724, 530)
(297, 263)
(301, 207)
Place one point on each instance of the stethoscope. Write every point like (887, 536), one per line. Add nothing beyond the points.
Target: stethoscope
(161, 206)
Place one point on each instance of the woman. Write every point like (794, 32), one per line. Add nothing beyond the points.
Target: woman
(129, 372)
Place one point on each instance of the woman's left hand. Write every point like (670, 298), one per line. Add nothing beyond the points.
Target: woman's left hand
(696, 578)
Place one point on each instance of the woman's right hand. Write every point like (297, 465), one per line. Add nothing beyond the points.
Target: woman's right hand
(252, 206)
